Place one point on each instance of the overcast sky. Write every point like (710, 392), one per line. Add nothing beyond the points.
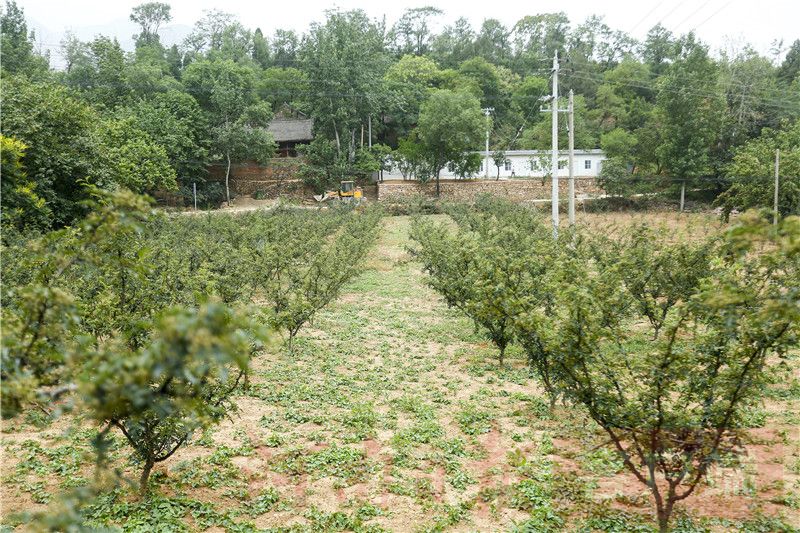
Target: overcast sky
(718, 22)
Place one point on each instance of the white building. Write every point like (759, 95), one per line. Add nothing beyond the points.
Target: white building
(524, 164)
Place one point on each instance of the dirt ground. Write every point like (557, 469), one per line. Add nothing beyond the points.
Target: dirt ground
(391, 413)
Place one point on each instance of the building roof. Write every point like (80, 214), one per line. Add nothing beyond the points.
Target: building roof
(291, 129)
(593, 151)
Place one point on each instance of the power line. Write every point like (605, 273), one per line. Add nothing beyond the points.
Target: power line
(725, 5)
(787, 105)
(658, 4)
(690, 15)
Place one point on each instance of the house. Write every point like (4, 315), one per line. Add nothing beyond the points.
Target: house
(525, 164)
(291, 128)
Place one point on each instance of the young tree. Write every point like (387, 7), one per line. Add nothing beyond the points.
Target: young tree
(449, 127)
(672, 406)
(499, 158)
(181, 382)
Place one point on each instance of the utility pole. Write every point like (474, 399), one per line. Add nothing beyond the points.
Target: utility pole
(369, 130)
(683, 193)
(571, 122)
(487, 111)
(775, 201)
(554, 104)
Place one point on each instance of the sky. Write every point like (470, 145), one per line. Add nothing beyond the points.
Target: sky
(724, 24)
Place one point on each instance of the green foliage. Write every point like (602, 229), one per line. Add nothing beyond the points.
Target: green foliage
(691, 109)
(180, 382)
(127, 157)
(483, 268)
(56, 129)
(22, 207)
(665, 345)
(449, 126)
(17, 44)
(302, 269)
(752, 170)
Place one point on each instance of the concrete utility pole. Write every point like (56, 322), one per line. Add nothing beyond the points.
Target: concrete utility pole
(369, 129)
(554, 103)
(775, 201)
(487, 111)
(683, 193)
(571, 111)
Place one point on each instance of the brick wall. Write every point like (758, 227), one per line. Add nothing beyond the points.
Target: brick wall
(467, 190)
(280, 176)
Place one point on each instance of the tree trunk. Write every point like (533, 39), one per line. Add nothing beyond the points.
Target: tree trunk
(665, 512)
(437, 184)
(227, 177)
(502, 354)
(663, 521)
(145, 478)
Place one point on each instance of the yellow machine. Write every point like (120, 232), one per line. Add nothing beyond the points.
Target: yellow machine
(348, 192)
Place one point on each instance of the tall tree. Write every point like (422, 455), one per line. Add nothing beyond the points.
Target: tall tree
(16, 43)
(412, 32)
(691, 106)
(283, 48)
(536, 39)
(492, 42)
(226, 90)
(56, 130)
(790, 67)
(344, 58)
(454, 44)
(659, 48)
(150, 16)
(98, 70)
(450, 126)
(260, 49)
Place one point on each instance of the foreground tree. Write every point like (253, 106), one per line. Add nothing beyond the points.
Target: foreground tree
(672, 406)
(181, 382)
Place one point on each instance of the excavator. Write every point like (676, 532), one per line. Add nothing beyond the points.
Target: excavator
(347, 193)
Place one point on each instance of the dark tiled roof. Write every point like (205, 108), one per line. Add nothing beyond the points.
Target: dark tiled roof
(283, 129)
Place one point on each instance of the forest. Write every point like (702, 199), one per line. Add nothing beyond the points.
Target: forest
(666, 110)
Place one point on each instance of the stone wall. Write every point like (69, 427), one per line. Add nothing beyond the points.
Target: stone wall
(467, 190)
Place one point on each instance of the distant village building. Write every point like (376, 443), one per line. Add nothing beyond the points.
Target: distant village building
(525, 164)
(291, 128)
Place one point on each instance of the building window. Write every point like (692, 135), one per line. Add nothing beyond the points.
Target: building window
(508, 164)
(562, 164)
(587, 164)
(534, 165)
